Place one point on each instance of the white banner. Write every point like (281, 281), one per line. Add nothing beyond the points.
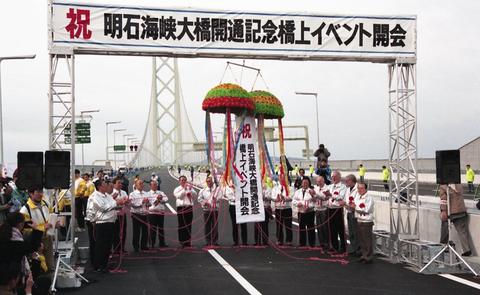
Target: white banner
(108, 29)
(248, 185)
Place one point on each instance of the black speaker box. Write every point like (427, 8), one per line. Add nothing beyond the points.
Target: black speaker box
(30, 170)
(448, 166)
(57, 169)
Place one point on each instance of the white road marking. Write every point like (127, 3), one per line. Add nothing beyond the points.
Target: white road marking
(171, 208)
(461, 281)
(238, 277)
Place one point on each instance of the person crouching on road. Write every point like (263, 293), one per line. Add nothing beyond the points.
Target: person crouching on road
(364, 207)
(139, 208)
(304, 200)
(185, 198)
(104, 211)
(209, 197)
(156, 214)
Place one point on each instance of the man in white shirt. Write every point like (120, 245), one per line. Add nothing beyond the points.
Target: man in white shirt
(229, 195)
(336, 201)
(185, 196)
(364, 208)
(104, 215)
(321, 214)
(209, 197)
(351, 193)
(139, 204)
(283, 214)
(304, 200)
(120, 233)
(156, 213)
(261, 233)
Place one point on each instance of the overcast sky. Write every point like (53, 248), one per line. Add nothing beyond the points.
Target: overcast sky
(353, 96)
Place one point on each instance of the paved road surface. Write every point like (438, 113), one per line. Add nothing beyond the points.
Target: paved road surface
(268, 270)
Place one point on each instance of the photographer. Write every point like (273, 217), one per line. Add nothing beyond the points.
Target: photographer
(458, 215)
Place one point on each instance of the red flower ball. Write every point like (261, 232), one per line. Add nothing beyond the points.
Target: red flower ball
(362, 205)
(335, 193)
(351, 199)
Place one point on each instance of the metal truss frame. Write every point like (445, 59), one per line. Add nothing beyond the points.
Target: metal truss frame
(403, 185)
(61, 112)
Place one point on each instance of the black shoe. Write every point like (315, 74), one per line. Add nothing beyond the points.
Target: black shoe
(144, 248)
(136, 250)
(235, 244)
(467, 254)
(163, 246)
(360, 260)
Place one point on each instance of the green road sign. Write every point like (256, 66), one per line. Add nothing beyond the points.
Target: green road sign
(84, 140)
(78, 140)
(119, 148)
(82, 132)
(79, 126)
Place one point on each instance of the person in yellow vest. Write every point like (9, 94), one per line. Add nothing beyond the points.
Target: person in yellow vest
(80, 189)
(385, 177)
(470, 178)
(38, 211)
(277, 169)
(296, 170)
(311, 170)
(361, 172)
(89, 190)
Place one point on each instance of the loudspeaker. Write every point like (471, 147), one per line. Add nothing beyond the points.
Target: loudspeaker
(57, 169)
(448, 166)
(30, 170)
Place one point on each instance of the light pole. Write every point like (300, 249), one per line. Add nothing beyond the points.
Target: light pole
(83, 152)
(114, 153)
(2, 58)
(125, 143)
(315, 94)
(128, 147)
(106, 136)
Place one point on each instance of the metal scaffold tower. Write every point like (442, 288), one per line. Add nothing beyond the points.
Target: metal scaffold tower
(61, 95)
(404, 206)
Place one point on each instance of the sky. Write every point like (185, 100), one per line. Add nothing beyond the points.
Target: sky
(352, 96)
